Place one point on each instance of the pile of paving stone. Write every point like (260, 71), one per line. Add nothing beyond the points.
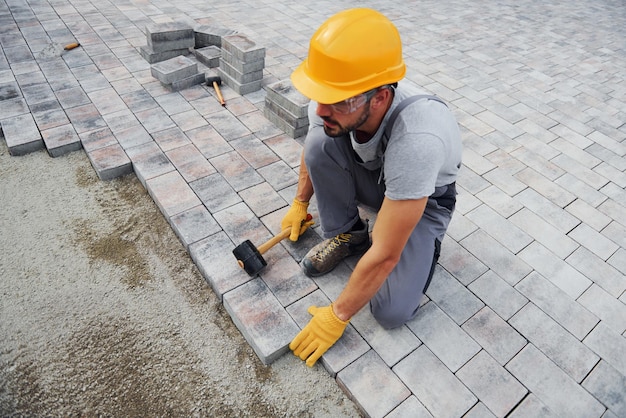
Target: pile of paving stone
(287, 108)
(239, 63)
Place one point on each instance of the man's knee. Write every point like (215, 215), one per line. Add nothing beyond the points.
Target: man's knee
(392, 316)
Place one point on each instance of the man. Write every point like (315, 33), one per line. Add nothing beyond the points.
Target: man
(357, 151)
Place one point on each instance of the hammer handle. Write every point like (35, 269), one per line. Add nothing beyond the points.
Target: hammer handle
(263, 248)
(219, 93)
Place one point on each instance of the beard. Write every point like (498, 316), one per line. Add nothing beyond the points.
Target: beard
(337, 130)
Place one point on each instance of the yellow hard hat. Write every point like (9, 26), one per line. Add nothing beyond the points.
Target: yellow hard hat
(354, 51)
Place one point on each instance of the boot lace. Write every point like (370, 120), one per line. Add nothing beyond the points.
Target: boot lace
(335, 242)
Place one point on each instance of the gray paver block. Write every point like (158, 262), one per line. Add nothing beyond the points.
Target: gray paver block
(169, 35)
(531, 406)
(240, 88)
(494, 386)
(242, 48)
(238, 76)
(392, 345)
(149, 162)
(607, 385)
(208, 55)
(209, 35)
(284, 114)
(284, 94)
(193, 225)
(237, 172)
(609, 345)
(494, 335)
(555, 342)
(452, 297)
(242, 67)
(504, 263)
(443, 337)
(552, 386)
(21, 134)
(433, 383)
(498, 294)
(99, 138)
(284, 277)
(410, 408)
(215, 260)
(282, 124)
(174, 69)
(153, 57)
(459, 262)
(362, 381)
(610, 310)
(261, 319)
(61, 140)
(110, 162)
(215, 192)
(187, 82)
(171, 193)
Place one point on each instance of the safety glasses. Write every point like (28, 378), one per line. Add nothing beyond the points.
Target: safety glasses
(353, 103)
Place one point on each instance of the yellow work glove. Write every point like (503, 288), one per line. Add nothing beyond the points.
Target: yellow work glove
(322, 331)
(295, 218)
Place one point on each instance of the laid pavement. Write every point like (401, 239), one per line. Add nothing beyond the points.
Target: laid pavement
(526, 314)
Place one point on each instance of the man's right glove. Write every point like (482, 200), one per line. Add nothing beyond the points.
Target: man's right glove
(295, 218)
(322, 331)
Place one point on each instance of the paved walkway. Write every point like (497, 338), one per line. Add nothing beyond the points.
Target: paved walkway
(526, 315)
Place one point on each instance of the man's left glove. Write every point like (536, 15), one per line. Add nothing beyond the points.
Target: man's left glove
(322, 331)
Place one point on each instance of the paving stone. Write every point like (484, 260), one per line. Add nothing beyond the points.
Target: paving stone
(187, 82)
(557, 304)
(110, 162)
(99, 138)
(261, 319)
(189, 120)
(239, 77)
(588, 214)
(498, 294)
(13, 107)
(610, 311)
(168, 36)
(594, 241)
(262, 199)
(153, 57)
(279, 175)
(170, 139)
(210, 35)
(208, 55)
(551, 385)
(121, 120)
(609, 345)
(556, 270)
(155, 120)
(547, 210)
(607, 385)
(240, 88)
(531, 406)
(171, 193)
(254, 151)
(49, 115)
(362, 381)
(193, 225)
(174, 69)
(345, 351)
(242, 48)
(61, 140)
(410, 408)
(452, 297)
(107, 101)
(149, 162)
(138, 100)
(544, 233)
(479, 411)
(494, 386)
(499, 201)
(258, 124)
(288, 149)
(208, 141)
(443, 337)
(459, 227)
(434, 385)
(214, 258)
(190, 163)
(284, 276)
(133, 136)
(85, 118)
(215, 192)
(554, 341)
(545, 187)
(236, 171)
(500, 228)
(580, 189)
(497, 337)
(512, 269)
(21, 134)
(228, 126)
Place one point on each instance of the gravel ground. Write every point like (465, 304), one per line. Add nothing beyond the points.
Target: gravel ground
(103, 313)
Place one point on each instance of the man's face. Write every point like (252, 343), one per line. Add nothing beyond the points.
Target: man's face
(343, 117)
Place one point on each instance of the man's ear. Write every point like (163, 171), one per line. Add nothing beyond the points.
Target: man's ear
(381, 98)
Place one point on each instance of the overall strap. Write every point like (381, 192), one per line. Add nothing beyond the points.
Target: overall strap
(404, 103)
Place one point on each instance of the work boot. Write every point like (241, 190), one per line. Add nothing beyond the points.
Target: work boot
(326, 255)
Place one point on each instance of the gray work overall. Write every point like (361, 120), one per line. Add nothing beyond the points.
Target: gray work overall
(341, 183)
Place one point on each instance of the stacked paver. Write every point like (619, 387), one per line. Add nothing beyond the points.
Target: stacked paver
(167, 40)
(208, 44)
(242, 63)
(178, 73)
(287, 108)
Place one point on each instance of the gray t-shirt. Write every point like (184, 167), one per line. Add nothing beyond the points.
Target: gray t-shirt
(424, 150)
